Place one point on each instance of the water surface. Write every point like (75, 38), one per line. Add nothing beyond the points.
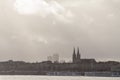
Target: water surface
(31, 77)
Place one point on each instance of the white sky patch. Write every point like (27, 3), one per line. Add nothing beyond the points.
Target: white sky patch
(43, 9)
(88, 19)
(83, 3)
(39, 39)
(111, 16)
(30, 38)
(26, 6)
(34, 38)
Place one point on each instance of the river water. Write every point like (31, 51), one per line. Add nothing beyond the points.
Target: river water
(4, 77)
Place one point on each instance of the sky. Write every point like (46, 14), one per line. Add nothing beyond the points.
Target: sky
(31, 30)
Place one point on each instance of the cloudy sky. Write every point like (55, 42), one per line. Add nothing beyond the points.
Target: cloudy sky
(31, 30)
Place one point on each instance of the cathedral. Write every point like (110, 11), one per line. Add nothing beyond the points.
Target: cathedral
(76, 57)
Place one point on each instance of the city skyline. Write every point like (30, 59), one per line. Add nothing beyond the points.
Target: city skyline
(30, 30)
(76, 57)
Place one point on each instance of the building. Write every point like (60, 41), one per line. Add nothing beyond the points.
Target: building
(54, 58)
(77, 58)
(49, 58)
(79, 66)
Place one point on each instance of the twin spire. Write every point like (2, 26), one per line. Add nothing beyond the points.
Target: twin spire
(76, 57)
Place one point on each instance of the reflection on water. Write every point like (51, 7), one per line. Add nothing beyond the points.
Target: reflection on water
(55, 78)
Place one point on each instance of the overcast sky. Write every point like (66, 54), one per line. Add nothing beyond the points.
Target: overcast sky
(31, 30)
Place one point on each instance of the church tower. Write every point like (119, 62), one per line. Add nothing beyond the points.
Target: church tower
(74, 56)
(78, 55)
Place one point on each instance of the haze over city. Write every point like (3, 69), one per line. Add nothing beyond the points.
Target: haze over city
(31, 30)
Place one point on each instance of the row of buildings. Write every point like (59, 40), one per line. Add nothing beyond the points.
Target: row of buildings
(78, 66)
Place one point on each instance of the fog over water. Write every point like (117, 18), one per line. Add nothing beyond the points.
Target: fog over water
(31, 30)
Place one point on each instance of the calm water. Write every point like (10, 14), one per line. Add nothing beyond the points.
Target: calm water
(56, 78)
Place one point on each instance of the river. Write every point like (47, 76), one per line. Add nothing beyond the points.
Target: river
(32, 77)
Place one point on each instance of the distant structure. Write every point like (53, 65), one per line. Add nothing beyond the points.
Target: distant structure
(78, 67)
(74, 56)
(77, 58)
(49, 58)
(54, 58)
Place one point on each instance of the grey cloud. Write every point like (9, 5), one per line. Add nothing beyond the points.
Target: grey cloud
(93, 25)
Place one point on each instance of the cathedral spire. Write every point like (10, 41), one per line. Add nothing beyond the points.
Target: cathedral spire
(78, 54)
(74, 56)
(74, 50)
